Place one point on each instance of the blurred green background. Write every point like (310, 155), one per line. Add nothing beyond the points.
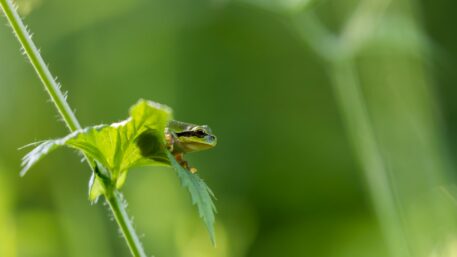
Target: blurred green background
(336, 120)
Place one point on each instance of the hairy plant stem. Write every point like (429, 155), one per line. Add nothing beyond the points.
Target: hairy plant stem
(52, 87)
(117, 207)
(113, 197)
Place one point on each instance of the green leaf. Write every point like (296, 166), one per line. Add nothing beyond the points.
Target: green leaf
(96, 188)
(201, 195)
(43, 148)
(136, 141)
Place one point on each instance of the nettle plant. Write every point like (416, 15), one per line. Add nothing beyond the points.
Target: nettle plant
(148, 137)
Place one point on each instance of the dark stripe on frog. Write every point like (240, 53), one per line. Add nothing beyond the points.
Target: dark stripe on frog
(198, 134)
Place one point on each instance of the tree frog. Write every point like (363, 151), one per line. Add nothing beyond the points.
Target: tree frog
(185, 138)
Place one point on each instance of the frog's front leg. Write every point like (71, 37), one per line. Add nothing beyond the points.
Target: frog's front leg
(180, 159)
(170, 140)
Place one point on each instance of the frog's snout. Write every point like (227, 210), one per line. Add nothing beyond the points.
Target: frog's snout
(211, 139)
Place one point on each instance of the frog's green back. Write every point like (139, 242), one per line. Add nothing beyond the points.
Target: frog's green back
(179, 126)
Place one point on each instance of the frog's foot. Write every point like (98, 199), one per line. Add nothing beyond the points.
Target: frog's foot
(180, 159)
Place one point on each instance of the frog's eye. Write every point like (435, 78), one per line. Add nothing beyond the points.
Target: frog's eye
(199, 133)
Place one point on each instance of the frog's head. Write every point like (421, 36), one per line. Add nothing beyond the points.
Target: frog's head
(196, 138)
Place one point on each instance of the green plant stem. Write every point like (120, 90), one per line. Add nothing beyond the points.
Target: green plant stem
(30, 49)
(58, 98)
(117, 207)
(339, 56)
(354, 111)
